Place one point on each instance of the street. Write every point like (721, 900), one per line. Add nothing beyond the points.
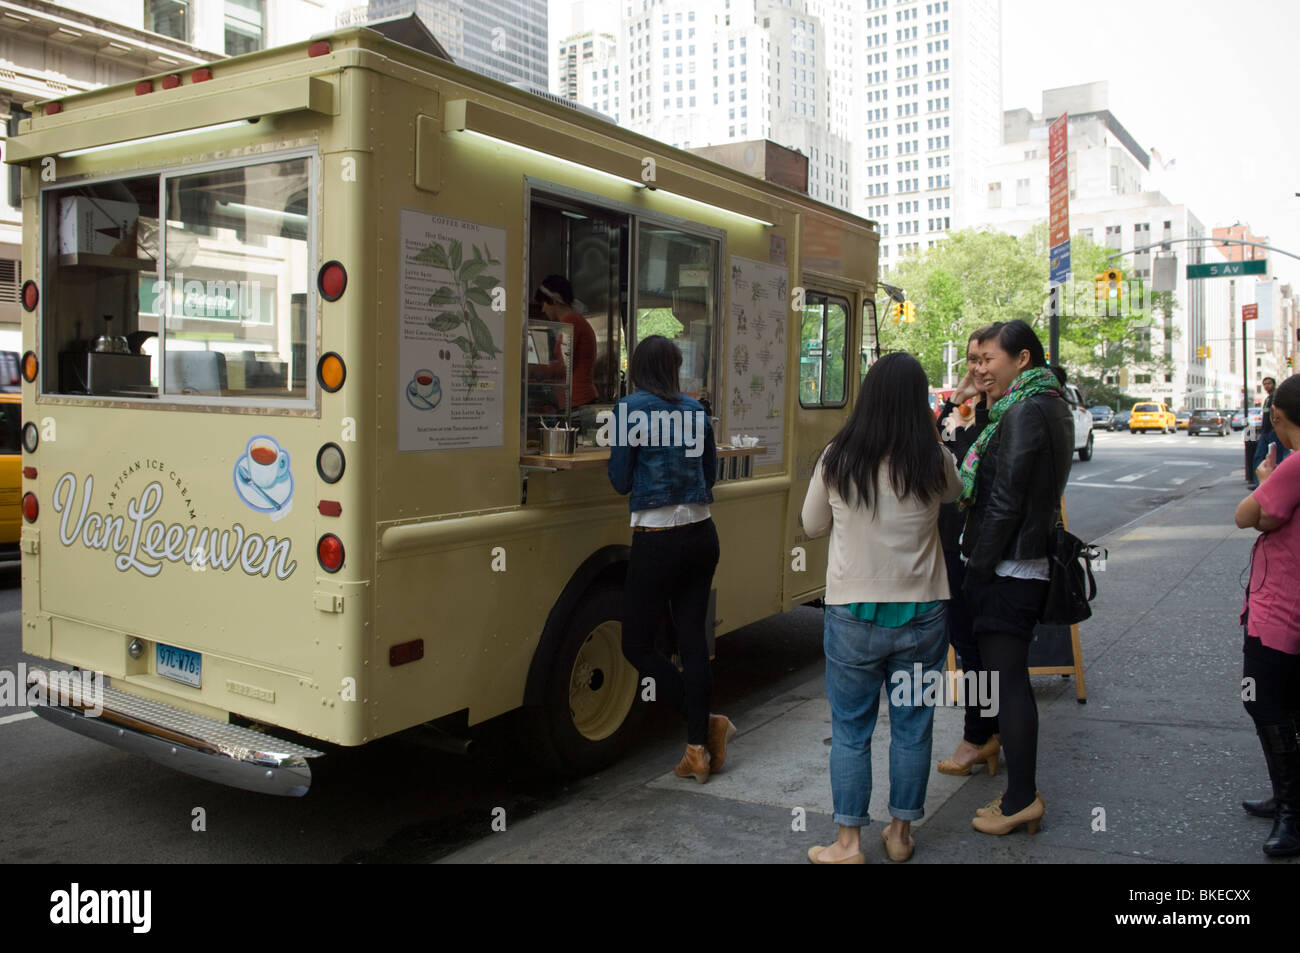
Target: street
(400, 800)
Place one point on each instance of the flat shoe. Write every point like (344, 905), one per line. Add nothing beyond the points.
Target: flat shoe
(814, 856)
(898, 852)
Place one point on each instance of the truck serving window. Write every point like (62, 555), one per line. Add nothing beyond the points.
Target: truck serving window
(676, 296)
(823, 350)
(211, 307)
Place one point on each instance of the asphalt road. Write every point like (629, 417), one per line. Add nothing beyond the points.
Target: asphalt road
(66, 798)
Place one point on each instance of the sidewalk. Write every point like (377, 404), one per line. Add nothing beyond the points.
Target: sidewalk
(1163, 751)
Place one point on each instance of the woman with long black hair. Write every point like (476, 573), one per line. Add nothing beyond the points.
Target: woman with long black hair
(674, 546)
(1012, 480)
(876, 489)
(1271, 650)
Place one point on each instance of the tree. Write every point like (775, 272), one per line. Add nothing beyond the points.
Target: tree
(974, 278)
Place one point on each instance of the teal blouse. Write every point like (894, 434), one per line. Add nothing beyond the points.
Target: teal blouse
(889, 615)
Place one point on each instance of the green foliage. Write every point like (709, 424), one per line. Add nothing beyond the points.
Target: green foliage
(471, 287)
(974, 278)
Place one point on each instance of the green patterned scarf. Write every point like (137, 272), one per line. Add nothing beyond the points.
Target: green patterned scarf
(1032, 380)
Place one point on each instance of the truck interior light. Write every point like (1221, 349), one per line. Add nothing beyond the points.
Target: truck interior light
(30, 366)
(330, 508)
(166, 135)
(332, 280)
(329, 552)
(31, 295)
(330, 463)
(31, 437)
(331, 371)
(31, 509)
(546, 155)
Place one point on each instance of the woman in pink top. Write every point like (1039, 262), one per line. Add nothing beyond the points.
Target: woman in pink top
(1271, 616)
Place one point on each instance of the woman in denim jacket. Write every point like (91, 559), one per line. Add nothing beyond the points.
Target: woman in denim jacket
(662, 452)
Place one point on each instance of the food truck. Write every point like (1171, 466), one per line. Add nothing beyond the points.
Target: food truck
(286, 481)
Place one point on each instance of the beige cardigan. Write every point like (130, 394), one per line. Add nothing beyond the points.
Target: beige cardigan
(888, 553)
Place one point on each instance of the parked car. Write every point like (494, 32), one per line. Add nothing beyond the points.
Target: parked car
(1256, 417)
(1101, 415)
(1237, 419)
(1082, 421)
(1151, 415)
(1208, 420)
(1181, 419)
(1120, 420)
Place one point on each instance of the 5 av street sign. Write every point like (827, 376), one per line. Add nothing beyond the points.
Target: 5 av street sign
(1228, 269)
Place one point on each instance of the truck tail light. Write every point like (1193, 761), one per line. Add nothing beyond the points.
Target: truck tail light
(331, 372)
(31, 295)
(31, 509)
(30, 366)
(329, 552)
(332, 280)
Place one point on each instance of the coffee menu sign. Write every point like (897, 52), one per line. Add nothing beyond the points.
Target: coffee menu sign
(450, 387)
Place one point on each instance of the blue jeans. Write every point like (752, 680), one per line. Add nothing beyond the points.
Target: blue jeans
(860, 658)
(1261, 451)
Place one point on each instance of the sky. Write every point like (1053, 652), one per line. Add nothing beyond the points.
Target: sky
(1210, 85)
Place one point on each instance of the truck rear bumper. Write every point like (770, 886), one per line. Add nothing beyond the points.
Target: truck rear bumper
(227, 754)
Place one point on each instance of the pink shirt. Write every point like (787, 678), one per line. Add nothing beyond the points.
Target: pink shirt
(1273, 596)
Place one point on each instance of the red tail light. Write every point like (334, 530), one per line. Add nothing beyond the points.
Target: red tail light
(329, 553)
(30, 507)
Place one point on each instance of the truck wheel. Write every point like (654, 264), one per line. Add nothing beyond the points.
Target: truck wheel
(591, 702)
(1085, 452)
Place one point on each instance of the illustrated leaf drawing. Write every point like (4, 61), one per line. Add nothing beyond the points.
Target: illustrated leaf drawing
(433, 255)
(482, 336)
(443, 295)
(478, 296)
(445, 321)
(455, 255)
(470, 270)
(464, 344)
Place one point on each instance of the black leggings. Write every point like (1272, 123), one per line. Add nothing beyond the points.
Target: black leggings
(669, 577)
(1005, 612)
(1275, 695)
(978, 729)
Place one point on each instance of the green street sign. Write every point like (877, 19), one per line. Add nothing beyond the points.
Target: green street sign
(1228, 269)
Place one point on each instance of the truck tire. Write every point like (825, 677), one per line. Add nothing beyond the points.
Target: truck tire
(591, 703)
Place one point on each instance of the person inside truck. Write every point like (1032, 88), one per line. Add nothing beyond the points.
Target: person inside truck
(555, 297)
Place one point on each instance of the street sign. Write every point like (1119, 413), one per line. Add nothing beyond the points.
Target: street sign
(1058, 183)
(1228, 269)
(1060, 264)
(1249, 312)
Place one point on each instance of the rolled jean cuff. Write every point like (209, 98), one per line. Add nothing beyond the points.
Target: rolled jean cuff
(901, 814)
(848, 820)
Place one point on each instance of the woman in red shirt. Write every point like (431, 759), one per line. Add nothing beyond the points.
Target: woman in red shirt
(1270, 614)
(555, 297)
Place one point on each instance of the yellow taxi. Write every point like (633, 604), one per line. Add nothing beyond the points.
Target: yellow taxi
(11, 471)
(1152, 415)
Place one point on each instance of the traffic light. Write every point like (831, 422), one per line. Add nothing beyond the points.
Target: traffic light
(909, 312)
(1114, 285)
(1200, 353)
(1290, 363)
(896, 312)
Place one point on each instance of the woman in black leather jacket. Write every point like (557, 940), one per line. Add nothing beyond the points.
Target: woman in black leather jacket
(1013, 477)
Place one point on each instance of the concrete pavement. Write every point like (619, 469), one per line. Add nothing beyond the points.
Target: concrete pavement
(1150, 770)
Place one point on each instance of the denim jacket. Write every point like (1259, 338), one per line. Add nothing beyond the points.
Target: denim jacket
(660, 475)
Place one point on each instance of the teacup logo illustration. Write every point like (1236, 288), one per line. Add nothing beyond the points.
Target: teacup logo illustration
(424, 392)
(263, 478)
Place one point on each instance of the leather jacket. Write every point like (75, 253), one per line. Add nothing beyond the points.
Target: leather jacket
(1016, 499)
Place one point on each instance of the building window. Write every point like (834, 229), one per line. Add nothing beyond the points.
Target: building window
(1022, 191)
(169, 18)
(245, 26)
(995, 195)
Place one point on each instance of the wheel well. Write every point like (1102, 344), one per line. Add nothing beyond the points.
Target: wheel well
(606, 566)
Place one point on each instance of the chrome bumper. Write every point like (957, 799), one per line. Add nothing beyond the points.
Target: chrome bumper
(215, 751)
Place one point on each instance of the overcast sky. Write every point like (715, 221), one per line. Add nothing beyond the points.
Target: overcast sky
(1211, 85)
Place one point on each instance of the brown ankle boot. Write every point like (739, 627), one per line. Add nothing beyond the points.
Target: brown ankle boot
(721, 731)
(694, 762)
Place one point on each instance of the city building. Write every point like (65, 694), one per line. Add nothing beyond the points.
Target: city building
(1106, 176)
(503, 39)
(928, 76)
(583, 67)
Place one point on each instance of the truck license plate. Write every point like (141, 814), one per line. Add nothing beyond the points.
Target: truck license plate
(181, 665)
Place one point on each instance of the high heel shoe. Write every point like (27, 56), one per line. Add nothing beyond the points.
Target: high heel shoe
(694, 763)
(988, 753)
(898, 852)
(721, 730)
(996, 802)
(995, 822)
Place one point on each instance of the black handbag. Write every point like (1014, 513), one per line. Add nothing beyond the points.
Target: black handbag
(1070, 584)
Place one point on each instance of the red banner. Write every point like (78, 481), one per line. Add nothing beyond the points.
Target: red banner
(1058, 182)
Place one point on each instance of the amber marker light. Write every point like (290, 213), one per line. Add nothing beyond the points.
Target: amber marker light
(30, 366)
(331, 372)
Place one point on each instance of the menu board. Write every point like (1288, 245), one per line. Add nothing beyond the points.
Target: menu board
(450, 365)
(756, 350)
